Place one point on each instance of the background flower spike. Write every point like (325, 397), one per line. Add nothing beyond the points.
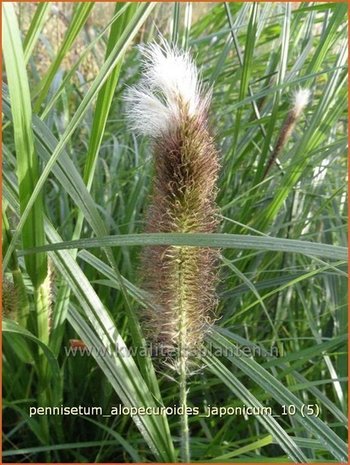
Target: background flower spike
(301, 99)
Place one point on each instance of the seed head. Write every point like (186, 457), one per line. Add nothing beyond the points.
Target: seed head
(300, 100)
(170, 106)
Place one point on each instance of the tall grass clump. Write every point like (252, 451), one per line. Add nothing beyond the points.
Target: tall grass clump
(118, 220)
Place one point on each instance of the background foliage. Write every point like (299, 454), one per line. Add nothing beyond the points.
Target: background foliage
(72, 170)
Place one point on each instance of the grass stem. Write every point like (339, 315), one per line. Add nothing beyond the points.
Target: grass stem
(185, 436)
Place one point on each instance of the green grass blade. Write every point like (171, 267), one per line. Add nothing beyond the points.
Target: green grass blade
(35, 28)
(13, 329)
(271, 425)
(105, 95)
(256, 445)
(81, 14)
(233, 241)
(246, 65)
(27, 160)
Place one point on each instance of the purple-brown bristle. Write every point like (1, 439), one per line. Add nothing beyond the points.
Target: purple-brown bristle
(183, 200)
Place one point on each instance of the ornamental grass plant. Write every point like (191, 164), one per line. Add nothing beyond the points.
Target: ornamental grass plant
(174, 176)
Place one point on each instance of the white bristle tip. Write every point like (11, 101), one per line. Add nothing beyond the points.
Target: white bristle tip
(170, 83)
(300, 99)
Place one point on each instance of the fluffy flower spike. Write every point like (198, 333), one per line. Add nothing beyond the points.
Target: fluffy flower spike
(169, 106)
(170, 84)
(301, 99)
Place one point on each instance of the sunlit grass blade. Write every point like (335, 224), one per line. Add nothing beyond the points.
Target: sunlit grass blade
(235, 241)
(81, 14)
(105, 95)
(27, 160)
(35, 28)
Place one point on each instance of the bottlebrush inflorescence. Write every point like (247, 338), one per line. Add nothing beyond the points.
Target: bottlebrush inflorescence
(170, 106)
(300, 100)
